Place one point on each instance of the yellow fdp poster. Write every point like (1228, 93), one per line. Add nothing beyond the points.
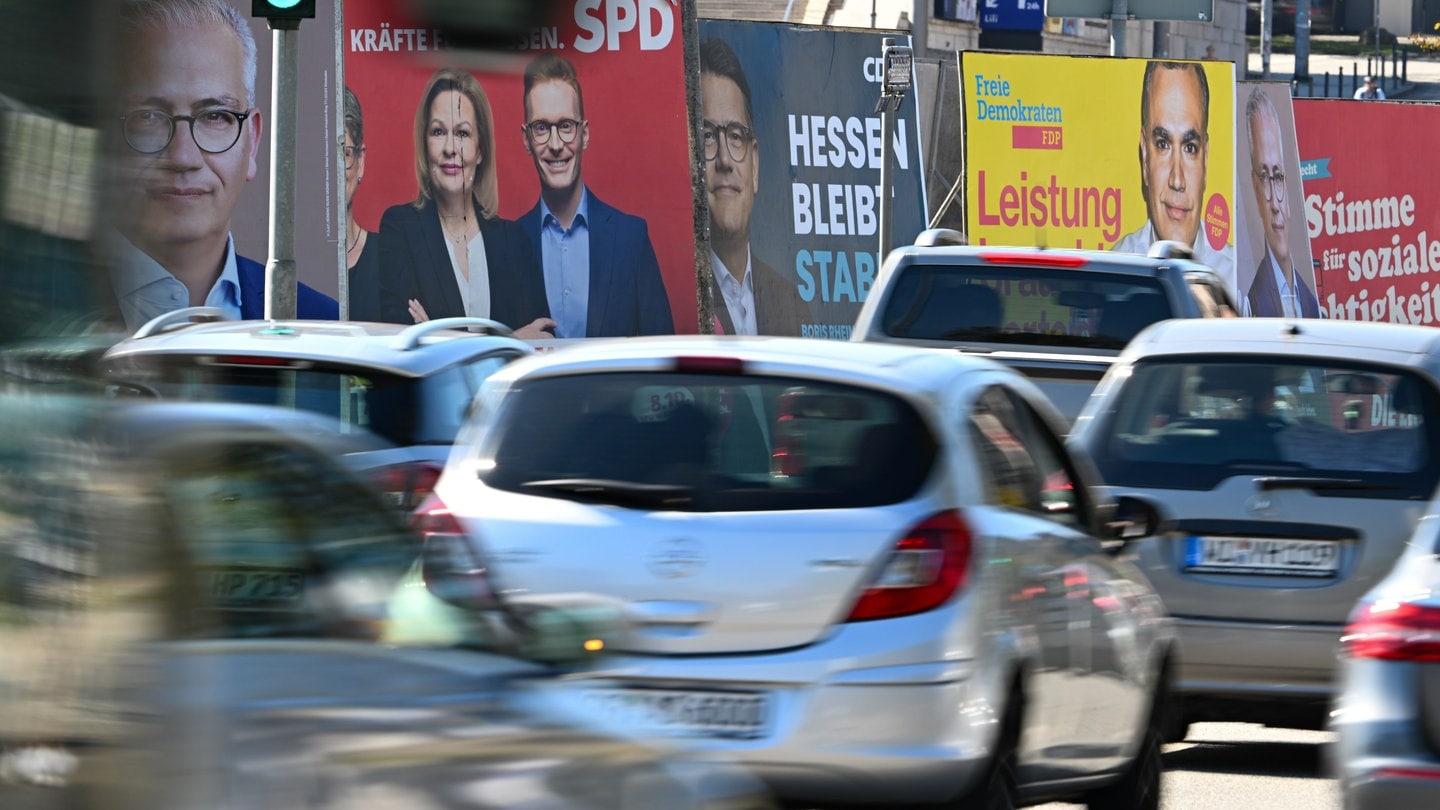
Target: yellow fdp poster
(1100, 152)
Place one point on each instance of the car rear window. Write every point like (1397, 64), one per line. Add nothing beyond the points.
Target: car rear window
(708, 442)
(404, 410)
(1047, 306)
(1188, 424)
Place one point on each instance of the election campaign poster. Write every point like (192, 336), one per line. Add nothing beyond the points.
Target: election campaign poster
(1370, 213)
(808, 205)
(592, 166)
(1100, 153)
(1273, 266)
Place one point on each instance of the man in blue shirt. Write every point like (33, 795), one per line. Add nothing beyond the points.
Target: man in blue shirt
(601, 275)
(190, 131)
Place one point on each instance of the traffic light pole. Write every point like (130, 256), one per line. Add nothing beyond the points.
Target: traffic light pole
(280, 277)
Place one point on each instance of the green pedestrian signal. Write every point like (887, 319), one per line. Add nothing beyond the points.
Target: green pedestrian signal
(283, 9)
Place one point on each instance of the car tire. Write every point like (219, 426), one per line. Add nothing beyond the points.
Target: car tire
(1138, 788)
(999, 786)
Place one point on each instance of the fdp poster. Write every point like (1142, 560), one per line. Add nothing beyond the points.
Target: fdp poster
(1100, 153)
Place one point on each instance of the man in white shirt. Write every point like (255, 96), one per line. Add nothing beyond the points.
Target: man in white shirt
(1174, 149)
(1370, 91)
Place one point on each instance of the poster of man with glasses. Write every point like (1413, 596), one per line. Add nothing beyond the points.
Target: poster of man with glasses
(792, 149)
(1283, 281)
(189, 130)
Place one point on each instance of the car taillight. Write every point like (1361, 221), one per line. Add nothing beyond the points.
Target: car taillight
(404, 486)
(1393, 631)
(1036, 259)
(925, 568)
(787, 457)
(451, 565)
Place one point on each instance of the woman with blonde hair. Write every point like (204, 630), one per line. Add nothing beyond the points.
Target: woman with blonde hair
(447, 253)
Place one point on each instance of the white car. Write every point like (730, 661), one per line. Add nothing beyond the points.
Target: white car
(870, 573)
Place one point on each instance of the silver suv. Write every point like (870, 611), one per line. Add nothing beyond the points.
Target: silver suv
(1058, 316)
(410, 385)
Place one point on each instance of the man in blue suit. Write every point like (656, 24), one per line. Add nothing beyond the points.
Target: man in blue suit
(601, 275)
(1279, 289)
(191, 131)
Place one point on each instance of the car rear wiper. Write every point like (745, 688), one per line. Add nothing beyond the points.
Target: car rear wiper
(620, 493)
(1272, 483)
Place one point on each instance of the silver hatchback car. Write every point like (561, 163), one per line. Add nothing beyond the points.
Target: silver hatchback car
(870, 573)
(1287, 461)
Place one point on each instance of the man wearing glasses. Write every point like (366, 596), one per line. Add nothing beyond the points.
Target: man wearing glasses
(602, 278)
(1278, 290)
(188, 135)
(749, 297)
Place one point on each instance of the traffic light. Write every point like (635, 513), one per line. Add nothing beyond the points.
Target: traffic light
(283, 9)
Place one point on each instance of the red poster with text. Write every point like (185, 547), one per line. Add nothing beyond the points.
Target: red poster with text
(629, 62)
(1372, 208)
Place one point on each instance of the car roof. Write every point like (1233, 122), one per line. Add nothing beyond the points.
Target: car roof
(416, 351)
(894, 366)
(1112, 261)
(1357, 340)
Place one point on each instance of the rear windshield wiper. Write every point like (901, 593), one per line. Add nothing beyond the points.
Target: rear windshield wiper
(620, 493)
(1270, 484)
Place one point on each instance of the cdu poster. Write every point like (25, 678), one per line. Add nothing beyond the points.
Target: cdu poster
(793, 178)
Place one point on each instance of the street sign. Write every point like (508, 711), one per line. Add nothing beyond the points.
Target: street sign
(1012, 15)
(1197, 10)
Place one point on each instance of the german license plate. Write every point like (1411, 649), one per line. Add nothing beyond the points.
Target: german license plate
(684, 713)
(1262, 556)
(256, 589)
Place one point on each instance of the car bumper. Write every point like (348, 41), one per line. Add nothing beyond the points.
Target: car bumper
(1231, 670)
(1383, 755)
(837, 729)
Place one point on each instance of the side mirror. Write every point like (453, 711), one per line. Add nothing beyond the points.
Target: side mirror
(1133, 519)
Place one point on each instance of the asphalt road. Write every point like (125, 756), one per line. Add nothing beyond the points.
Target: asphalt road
(1225, 766)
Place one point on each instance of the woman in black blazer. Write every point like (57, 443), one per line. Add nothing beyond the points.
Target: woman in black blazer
(447, 254)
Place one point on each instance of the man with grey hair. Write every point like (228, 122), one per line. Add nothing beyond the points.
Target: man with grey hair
(189, 132)
(1278, 290)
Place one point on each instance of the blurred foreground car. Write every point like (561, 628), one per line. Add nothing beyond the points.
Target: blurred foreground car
(242, 635)
(1059, 316)
(869, 573)
(1387, 710)
(410, 385)
(1288, 462)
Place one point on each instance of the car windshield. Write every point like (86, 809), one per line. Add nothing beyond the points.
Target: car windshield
(404, 410)
(708, 442)
(1047, 306)
(1189, 423)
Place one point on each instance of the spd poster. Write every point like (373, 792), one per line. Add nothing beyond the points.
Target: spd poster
(1371, 212)
(1100, 153)
(627, 144)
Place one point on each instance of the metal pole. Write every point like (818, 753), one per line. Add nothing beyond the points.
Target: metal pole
(1119, 16)
(338, 164)
(1267, 21)
(920, 28)
(280, 272)
(887, 148)
(1302, 41)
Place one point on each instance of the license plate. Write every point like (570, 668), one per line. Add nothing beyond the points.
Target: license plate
(683, 713)
(256, 589)
(1264, 556)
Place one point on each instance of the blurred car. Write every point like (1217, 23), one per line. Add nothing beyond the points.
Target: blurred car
(245, 635)
(410, 385)
(1386, 718)
(868, 573)
(1288, 461)
(1059, 316)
